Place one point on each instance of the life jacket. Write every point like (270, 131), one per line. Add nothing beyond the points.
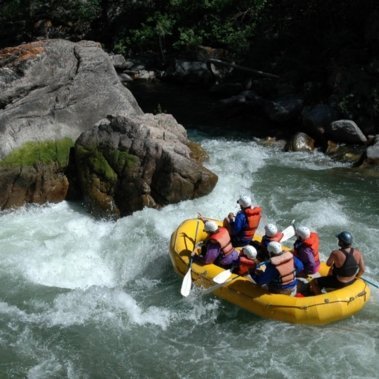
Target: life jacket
(285, 265)
(253, 216)
(266, 239)
(222, 237)
(245, 264)
(312, 242)
(350, 266)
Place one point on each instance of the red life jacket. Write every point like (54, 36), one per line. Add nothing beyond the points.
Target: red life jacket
(253, 216)
(313, 242)
(285, 265)
(245, 265)
(222, 237)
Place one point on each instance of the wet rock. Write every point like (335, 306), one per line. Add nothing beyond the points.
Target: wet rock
(38, 184)
(301, 142)
(346, 131)
(125, 164)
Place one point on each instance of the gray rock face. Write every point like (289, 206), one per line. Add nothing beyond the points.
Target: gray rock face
(346, 131)
(56, 88)
(126, 164)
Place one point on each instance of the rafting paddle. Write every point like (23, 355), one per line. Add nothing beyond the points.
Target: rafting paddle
(223, 276)
(187, 280)
(288, 232)
(371, 281)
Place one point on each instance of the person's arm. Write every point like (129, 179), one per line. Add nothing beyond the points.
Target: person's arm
(309, 260)
(211, 254)
(299, 267)
(263, 277)
(361, 265)
(238, 224)
(332, 258)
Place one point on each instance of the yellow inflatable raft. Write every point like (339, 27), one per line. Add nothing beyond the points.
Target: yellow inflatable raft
(313, 310)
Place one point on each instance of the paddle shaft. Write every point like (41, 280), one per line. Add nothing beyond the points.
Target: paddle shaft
(371, 281)
(187, 280)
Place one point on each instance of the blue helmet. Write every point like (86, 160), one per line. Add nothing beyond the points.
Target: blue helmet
(345, 237)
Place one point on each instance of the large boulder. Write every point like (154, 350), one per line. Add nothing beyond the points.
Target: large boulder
(50, 92)
(125, 164)
(53, 89)
(346, 131)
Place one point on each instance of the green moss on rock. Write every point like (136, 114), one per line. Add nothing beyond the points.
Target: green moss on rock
(94, 159)
(122, 160)
(45, 152)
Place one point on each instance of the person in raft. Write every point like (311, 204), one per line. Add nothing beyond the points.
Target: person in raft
(217, 247)
(278, 273)
(247, 261)
(271, 234)
(243, 225)
(346, 264)
(306, 249)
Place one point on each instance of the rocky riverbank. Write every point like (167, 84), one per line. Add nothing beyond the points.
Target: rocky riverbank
(54, 91)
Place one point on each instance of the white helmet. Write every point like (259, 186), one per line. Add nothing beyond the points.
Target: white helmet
(250, 251)
(271, 230)
(303, 232)
(210, 226)
(274, 248)
(244, 201)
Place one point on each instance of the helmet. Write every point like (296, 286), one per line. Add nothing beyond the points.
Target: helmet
(210, 226)
(274, 248)
(244, 201)
(250, 251)
(271, 230)
(345, 237)
(303, 232)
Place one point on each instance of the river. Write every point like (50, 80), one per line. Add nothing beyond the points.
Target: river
(86, 298)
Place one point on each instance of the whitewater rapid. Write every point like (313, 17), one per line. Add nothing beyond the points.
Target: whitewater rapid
(87, 298)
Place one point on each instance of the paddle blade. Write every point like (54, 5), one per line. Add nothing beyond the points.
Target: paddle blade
(186, 284)
(222, 277)
(288, 233)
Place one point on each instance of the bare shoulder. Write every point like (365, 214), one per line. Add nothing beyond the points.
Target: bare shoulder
(336, 256)
(357, 253)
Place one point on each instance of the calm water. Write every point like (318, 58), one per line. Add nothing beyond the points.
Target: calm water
(81, 298)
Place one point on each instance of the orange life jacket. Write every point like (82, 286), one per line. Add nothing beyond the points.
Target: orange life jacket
(222, 237)
(285, 265)
(245, 265)
(313, 242)
(253, 216)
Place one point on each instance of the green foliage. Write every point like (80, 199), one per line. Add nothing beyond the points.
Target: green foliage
(39, 152)
(183, 24)
(187, 38)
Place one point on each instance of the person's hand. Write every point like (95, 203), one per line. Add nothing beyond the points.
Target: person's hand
(231, 216)
(201, 217)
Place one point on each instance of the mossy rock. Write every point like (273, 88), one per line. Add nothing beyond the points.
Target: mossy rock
(45, 152)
